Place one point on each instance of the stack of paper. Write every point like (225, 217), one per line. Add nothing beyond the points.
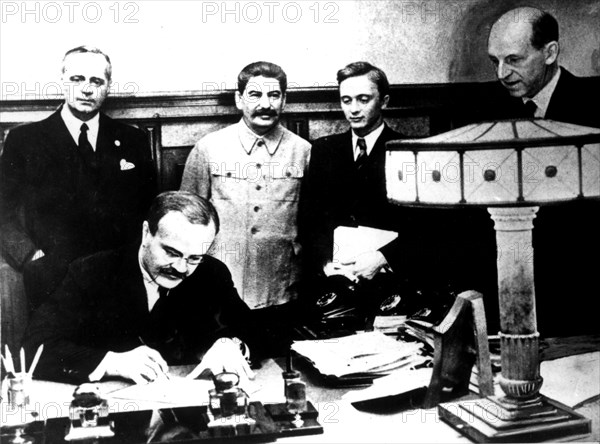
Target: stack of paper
(389, 324)
(420, 330)
(370, 352)
(396, 383)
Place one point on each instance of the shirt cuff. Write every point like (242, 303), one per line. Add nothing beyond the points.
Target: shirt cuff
(386, 267)
(37, 255)
(244, 349)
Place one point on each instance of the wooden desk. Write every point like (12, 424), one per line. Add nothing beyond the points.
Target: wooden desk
(341, 421)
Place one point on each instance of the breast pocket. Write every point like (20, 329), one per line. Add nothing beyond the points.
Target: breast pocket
(284, 185)
(229, 186)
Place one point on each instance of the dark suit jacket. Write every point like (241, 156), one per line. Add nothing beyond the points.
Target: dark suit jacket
(101, 306)
(429, 253)
(51, 200)
(335, 194)
(566, 104)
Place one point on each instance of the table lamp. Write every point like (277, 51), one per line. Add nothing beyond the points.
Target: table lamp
(490, 164)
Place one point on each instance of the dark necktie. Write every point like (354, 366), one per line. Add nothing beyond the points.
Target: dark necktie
(85, 147)
(530, 109)
(361, 159)
(159, 328)
(162, 299)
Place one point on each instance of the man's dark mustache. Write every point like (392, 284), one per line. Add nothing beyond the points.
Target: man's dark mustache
(173, 273)
(267, 113)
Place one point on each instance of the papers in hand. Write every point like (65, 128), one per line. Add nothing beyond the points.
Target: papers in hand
(371, 352)
(349, 242)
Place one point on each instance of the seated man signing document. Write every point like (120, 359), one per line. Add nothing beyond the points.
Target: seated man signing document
(131, 312)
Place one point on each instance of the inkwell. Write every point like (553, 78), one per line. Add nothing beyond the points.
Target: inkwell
(295, 393)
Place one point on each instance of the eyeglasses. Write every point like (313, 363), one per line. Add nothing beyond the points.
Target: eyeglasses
(175, 256)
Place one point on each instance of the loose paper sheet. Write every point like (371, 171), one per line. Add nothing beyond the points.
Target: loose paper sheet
(177, 391)
(349, 242)
(572, 379)
(182, 391)
(396, 383)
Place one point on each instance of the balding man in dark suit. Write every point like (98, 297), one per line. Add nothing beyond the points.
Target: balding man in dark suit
(524, 47)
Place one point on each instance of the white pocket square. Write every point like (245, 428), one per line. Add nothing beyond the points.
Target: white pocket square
(126, 165)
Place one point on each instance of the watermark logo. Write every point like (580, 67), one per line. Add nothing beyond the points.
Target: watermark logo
(269, 12)
(54, 90)
(473, 172)
(69, 12)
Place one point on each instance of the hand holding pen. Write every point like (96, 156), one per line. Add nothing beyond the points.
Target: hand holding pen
(141, 365)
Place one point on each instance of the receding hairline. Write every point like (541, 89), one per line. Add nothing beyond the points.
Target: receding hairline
(86, 51)
(193, 207)
(210, 222)
(515, 17)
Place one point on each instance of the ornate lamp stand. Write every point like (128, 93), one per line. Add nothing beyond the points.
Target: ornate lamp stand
(570, 159)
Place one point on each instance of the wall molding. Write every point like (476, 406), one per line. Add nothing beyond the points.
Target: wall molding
(175, 121)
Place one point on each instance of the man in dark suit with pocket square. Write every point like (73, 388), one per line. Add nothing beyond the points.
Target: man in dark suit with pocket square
(74, 183)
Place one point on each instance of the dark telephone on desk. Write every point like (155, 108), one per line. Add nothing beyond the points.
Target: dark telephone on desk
(339, 304)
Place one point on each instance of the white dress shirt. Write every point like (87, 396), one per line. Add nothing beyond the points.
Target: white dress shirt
(542, 98)
(74, 126)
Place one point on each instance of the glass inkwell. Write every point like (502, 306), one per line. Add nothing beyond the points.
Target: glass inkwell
(228, 403)
(295, 393)
(88, 413)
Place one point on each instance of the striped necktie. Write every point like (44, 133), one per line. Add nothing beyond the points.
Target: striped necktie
(361, 159)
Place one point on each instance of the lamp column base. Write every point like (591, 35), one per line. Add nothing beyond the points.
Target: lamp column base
(499, 419)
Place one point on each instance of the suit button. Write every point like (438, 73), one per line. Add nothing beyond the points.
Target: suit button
(258, 165)
(254, 230)
(258, 187)
(256, 209)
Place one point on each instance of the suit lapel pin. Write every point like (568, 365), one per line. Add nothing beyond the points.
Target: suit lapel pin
(117, 143)
(126, 165)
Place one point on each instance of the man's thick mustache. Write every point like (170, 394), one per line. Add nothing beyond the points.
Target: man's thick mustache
(173, 273)
(265, 113)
